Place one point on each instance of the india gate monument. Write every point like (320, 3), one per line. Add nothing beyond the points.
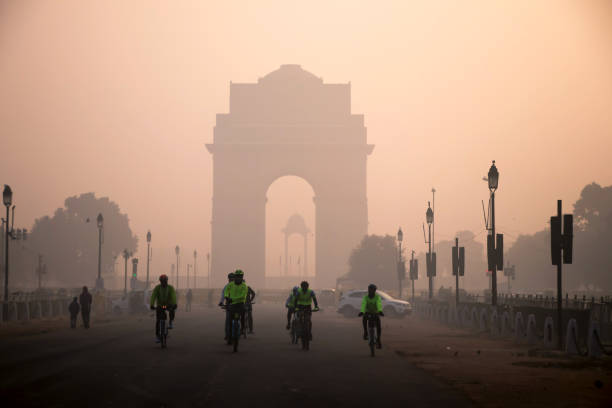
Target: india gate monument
(289, 123)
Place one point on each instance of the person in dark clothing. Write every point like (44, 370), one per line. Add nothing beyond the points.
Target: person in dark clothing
(189, 298)
(85, 301)
(73, 308)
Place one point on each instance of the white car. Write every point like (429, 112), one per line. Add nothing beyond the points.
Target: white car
(350, 304)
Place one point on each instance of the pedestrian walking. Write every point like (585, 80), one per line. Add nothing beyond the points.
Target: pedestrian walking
(189, 299)
(74, 308)
(85, 301)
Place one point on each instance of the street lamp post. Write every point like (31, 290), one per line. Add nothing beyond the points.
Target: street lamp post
(493, 179)
(401, 269)
(177, 250)
(195, 260)
(100, 281)
(148, 257)
(126, 255)
(7, 199)
(431, 257)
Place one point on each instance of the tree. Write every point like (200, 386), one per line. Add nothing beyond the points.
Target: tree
(591, 269)
(374, 261)
(69, 239)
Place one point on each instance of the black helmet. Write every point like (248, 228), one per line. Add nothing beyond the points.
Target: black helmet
(304, 285)
(372, 286)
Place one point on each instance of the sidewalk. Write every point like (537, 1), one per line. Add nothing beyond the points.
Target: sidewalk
(500, 373)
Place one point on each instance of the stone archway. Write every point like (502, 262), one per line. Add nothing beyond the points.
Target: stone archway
(289, 123)
(296, 225)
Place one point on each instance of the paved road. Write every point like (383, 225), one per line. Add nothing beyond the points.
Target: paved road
(118, 364)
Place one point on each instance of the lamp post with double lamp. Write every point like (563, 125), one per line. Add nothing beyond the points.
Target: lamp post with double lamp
(177, 250)
(100, 281)
(148, 258)
(431, 257)
(493, 180)
(401, 268)
(126, 255)
(7, 199)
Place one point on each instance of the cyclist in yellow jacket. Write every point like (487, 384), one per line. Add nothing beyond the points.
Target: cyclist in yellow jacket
(163, 295)
(304, 299)
(372, 304)
(236, 295)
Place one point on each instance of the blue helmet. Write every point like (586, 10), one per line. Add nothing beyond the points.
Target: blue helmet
(295, 289)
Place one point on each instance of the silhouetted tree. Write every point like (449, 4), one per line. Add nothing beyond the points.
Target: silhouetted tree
(69, 239)
(374, 261)
(592, 263)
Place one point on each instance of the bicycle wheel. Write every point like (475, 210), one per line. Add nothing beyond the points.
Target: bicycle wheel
(250, 321)
(372, 340)
(162, 333)
(236, 334)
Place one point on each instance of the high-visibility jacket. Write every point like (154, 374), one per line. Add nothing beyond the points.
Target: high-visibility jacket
(236, 293)
(164, 296)
(305, 298)
(371, 304)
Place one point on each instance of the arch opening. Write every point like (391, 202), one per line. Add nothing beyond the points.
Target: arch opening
(290, 232)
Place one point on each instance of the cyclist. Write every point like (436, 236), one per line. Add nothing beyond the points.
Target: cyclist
(163, 295)
(372, 303)
(249, 304)
(305, 297)
(236, 295)
(290, 305)
(230, 279)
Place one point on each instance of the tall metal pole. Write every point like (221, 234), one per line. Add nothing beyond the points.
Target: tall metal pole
(188, 266)
(457, 274)
(494, 243)
(411, 277)
(148, 259)
(559, 289)
(6, 256)
(99, 258)
(399, 278)
(125, 257)
(195, 260)
(431, 262)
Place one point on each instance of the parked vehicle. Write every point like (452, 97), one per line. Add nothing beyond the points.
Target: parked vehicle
(350, 304)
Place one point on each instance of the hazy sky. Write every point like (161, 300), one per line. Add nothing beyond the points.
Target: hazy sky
(119, 97)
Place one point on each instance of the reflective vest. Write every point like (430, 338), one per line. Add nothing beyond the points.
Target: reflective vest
(304, 298)
(236, 293)
(371, 304)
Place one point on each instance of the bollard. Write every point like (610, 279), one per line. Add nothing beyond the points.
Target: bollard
(532, 335)
(506, 329)
(593, 343)
(548, 332)
(494, 325)
(519, 327)
(571, 337)
(483, 320)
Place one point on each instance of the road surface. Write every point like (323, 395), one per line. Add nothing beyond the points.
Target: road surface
(117, 363)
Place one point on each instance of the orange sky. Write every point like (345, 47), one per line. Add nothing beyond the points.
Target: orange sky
(120, 97)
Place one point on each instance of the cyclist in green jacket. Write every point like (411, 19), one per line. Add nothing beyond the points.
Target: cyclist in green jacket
(304, 299)
(235, 294)
(372, 304)
(163, 295)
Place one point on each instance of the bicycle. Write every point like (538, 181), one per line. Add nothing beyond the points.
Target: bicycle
(235, 329)
(304, 326)
(249, 318)
(293, 333)
(163, 328)
(372, 339)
